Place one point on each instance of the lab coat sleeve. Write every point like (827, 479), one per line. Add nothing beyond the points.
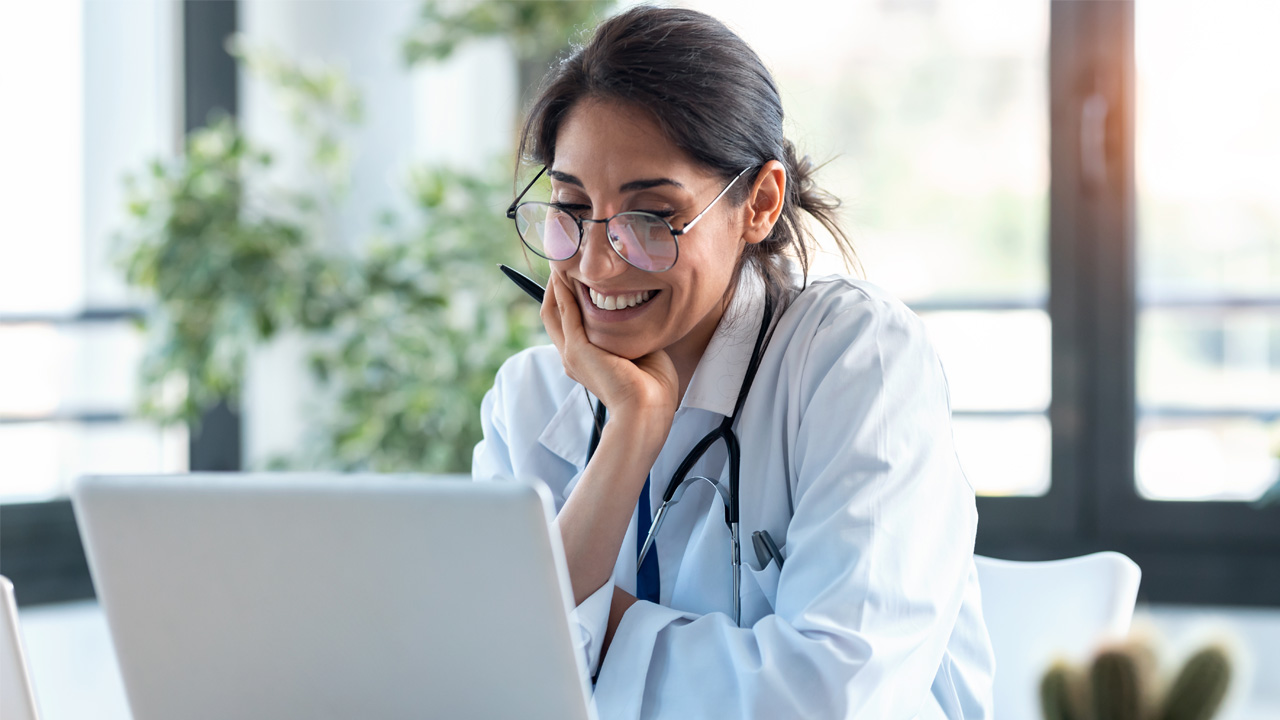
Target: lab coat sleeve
(492, 460)
(878, 552)
(590, 620)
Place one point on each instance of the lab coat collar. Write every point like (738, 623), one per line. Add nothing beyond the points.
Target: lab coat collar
(719, 374)
(569, 431)
(713, 387)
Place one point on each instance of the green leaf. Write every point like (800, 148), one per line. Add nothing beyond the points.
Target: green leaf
(406, 337)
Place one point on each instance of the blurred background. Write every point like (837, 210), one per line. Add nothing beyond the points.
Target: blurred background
(260, 234)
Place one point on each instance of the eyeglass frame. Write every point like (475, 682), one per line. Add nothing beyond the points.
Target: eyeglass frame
(582, 232)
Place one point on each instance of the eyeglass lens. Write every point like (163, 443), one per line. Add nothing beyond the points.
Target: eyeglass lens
(643, 240)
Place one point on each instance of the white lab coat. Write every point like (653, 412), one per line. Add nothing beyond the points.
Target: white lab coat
(847, 461)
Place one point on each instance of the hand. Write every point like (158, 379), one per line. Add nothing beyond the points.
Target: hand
(641, 396)
(644, 389)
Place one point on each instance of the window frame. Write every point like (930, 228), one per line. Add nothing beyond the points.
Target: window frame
(1190, 552)
(1210, 552)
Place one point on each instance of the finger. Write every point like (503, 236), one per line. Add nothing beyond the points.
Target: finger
(555, 318)
(570, 313)
(550, 314)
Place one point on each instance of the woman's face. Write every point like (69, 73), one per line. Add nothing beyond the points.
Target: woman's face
(610, 158)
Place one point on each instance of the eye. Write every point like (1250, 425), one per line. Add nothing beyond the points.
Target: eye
(664, 214)
(575, 209)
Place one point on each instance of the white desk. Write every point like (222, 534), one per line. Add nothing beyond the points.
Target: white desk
(73, 667)
(75, 674)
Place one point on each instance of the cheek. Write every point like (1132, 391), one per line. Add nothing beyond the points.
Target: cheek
(711, 265)
(699, 290)
(560, 269)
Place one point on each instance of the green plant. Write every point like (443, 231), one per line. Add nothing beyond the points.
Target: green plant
(1064, 693)
(225, 274)
(538, 30)
(535, 28)
(1200, 686)
(435, 320)
(1121, 684)
(1118, 686)
(407, 336)
(320, 103)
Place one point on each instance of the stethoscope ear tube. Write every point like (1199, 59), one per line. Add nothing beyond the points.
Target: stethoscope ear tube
(735, 548)
(680, 479)
(735, 460)
(731, 517)
(596, 428)
(654, 527)
(658, 517)
(686, 465)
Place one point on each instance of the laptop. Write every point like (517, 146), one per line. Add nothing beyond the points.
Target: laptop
(17, 699)
(333, 596)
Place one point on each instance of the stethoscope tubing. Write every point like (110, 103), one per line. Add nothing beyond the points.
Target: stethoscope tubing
(680, 479)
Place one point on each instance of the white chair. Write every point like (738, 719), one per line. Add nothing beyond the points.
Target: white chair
(1037, 612)
(17, 700)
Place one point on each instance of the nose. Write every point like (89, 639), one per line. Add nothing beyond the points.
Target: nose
(598, 260)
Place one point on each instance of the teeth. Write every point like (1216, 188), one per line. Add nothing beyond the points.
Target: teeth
(619, 302)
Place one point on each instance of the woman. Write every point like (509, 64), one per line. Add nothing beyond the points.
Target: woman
(665, 131)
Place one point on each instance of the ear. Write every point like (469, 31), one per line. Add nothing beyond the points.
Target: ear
(764, 202)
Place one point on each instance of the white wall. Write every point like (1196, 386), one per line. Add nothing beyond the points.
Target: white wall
(132, 86)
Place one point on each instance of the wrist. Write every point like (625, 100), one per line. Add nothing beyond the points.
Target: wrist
(639, 428)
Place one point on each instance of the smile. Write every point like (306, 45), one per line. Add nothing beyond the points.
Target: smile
(620, 302)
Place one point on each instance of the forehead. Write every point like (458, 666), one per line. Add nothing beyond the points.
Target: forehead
(608, 143)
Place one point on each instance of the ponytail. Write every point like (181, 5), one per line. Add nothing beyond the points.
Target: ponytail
(792, 235)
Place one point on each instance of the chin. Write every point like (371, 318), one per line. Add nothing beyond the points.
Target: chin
(622, 346)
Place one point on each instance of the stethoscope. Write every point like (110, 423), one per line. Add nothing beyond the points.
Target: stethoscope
(680, 480)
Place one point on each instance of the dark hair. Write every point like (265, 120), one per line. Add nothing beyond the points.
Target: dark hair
(711, 96)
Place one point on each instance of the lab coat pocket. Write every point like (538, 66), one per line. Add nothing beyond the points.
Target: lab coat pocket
(767, 579)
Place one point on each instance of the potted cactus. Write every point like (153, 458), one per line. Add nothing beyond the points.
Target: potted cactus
(1121, 683)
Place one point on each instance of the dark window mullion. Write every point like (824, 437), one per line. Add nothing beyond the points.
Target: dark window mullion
(1103, 154)
(210, 85)
(1030, 528)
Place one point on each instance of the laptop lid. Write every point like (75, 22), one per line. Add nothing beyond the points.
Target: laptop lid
(333, 596)
(17, 699)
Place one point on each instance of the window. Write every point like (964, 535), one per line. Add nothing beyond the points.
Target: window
(1208, 246)
(91, 93)
(1085, 214)
(90, 88)
(1092, 235)
(933, 123)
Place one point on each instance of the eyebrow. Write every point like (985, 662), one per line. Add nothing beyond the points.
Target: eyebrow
(632, 186)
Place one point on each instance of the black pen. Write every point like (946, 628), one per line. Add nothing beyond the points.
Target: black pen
(534, 290)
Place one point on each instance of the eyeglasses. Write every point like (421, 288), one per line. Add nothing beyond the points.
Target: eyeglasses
(645, 240)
